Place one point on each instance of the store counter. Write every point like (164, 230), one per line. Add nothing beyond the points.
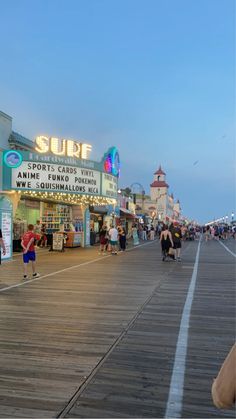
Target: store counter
(74, 238)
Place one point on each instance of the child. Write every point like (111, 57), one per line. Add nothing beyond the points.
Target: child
(27, 242)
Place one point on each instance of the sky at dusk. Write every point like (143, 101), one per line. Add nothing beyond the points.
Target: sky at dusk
(154, 78)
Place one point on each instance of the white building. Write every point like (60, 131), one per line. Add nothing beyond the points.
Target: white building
(159, 205)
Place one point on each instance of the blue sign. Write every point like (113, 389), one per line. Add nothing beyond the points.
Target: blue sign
(12, 159)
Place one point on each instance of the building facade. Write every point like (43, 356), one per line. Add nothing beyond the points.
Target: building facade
(54, 181)
(159, 205)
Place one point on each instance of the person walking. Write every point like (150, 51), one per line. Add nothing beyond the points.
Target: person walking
(207, 234)
(37, 227)
(2, 247)
(103, 239)
(113, 234)
(122, 238)
(27, 242)
(37, 230)
(177, 236)
(152, 233)
(166, 242)
(144, 232)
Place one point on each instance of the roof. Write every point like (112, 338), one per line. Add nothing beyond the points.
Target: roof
(18, 139)
(126, 213)
(159, 184)
(5, 115)
(159, 171)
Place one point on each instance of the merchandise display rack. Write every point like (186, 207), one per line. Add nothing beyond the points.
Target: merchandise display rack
(53, 218)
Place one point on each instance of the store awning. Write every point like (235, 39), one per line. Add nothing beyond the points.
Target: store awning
(98, 209)
(126, 213)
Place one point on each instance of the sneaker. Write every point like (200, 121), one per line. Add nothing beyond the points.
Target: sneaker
(36, 275)
(25, 277)
(178, 259)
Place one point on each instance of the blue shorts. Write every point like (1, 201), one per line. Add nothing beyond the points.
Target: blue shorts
(29, 256)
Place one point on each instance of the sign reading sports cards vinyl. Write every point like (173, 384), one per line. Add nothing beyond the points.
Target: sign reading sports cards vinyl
(32, 171)
(55, 178)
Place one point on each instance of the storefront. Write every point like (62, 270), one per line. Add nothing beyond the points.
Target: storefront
(57, 184)
(127, 219)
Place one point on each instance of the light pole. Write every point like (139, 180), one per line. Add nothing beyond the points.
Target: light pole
(232, 216)
(226, 219)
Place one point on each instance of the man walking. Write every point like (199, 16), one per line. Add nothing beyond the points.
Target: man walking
(113, 234)
(177, 236)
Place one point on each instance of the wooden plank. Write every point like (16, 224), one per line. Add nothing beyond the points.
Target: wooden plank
(55, 331)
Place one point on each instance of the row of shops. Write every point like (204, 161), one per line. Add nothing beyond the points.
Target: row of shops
(53, 183)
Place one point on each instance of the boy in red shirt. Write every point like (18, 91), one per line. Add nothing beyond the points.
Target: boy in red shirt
(27, 242)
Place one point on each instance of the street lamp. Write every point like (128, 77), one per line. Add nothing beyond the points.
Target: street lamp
(232, 216)
(226, 219)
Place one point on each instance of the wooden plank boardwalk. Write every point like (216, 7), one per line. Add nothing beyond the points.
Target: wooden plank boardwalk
(98, 337)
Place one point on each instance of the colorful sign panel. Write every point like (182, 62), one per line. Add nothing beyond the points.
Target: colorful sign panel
(112, 162)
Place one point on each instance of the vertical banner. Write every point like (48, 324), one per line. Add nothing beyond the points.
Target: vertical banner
(87, 227)
(6, 227)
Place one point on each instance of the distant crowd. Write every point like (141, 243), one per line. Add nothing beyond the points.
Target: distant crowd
(115, 238)
(219, 232)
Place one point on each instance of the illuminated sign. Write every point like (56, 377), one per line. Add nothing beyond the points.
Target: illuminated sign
(55, 178)
(12, 159)
(62, 147)
(112, 162)
(109, 185)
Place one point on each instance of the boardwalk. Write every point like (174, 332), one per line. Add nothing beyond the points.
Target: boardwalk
(97, 336)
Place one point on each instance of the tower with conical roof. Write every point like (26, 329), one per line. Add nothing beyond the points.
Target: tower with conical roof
(159, 192)
(159, 185)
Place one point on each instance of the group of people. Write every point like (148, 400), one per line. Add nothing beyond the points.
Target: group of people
(114, 239)
(219, 232)
(111, 238)
(170, 239)
(146, 232)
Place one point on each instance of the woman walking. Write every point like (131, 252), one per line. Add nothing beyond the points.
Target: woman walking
(152, 233)
(166, 241)
(122, 238)
(103, 239)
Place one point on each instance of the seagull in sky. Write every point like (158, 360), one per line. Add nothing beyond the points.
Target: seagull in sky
(196, 162)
